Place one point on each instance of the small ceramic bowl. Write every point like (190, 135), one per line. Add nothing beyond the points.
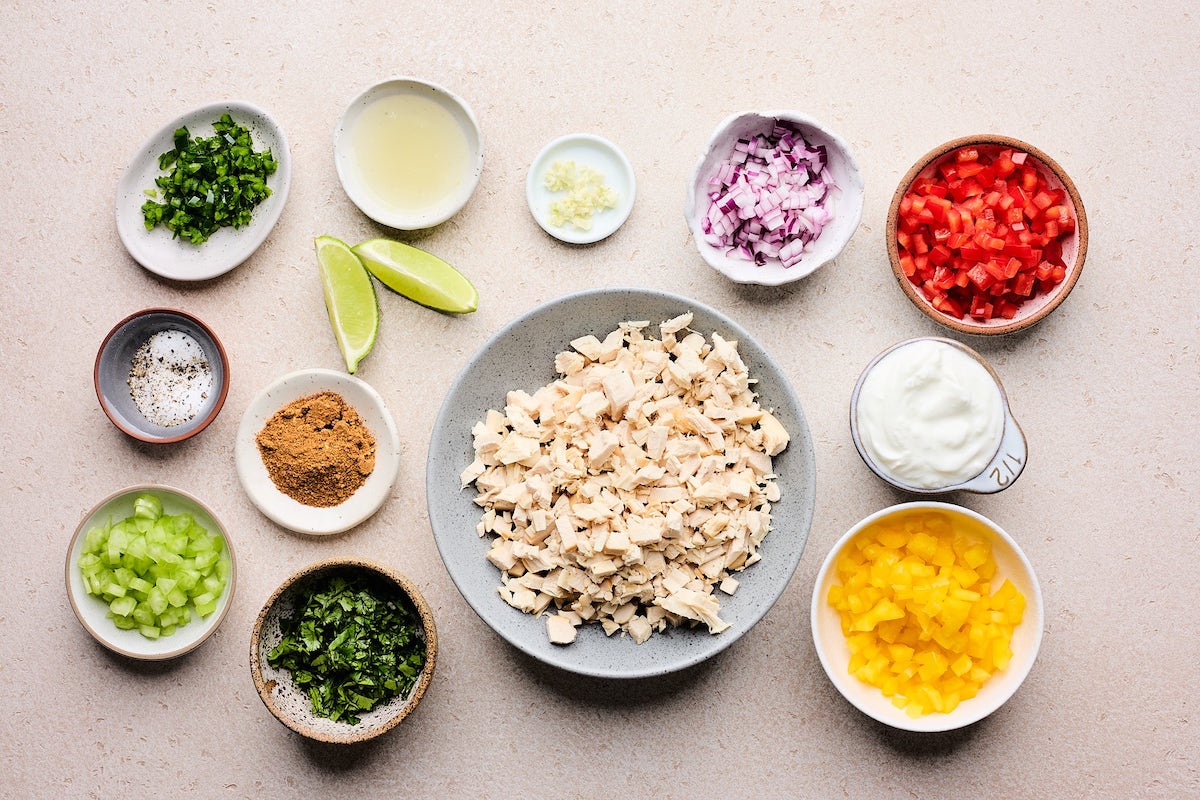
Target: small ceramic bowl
(114, 362)
(844, 202)
(1011, 563)
(587, 150)
(1001, 471)
(283, 509)
(1074, 246)
(353, 174)
(177, 259)
(92, 611)
(291, 705)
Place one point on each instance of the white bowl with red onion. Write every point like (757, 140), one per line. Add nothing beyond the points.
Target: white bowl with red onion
(775, 196)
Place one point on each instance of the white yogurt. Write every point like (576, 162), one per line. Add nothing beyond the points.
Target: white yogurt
(930, 415)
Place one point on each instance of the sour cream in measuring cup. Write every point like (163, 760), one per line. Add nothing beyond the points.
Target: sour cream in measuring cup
(929, 415)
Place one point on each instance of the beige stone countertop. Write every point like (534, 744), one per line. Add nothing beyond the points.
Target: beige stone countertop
(1106, 388)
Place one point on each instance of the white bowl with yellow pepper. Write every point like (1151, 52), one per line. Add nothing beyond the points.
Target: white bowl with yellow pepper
(927, 616)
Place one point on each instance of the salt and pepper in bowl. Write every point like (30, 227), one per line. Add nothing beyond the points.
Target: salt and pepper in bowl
(161, 375)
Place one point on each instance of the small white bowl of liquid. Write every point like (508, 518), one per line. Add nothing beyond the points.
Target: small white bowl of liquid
(408, 153)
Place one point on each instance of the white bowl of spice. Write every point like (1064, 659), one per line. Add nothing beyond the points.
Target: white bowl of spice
(161, 375)
(317, 451)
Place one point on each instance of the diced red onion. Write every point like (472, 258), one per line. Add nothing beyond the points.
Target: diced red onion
(767, 199)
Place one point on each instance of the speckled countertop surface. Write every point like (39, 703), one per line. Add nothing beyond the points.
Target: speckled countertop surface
(1106, 389)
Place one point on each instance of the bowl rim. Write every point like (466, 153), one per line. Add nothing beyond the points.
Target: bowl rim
(962, 486)
(137, 433)
(424, 613)
(211, 625)
(929, 723)
(1060, 292)
(776, 275)
(352, 186)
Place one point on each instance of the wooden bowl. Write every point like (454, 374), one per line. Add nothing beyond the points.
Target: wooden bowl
(1074, 247)
(291, 705)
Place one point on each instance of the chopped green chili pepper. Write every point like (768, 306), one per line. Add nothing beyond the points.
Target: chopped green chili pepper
(212, 183)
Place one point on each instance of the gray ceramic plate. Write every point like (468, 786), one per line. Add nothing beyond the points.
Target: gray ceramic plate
(521, 356)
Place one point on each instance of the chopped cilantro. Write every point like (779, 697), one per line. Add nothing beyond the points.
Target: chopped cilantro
(351, 644)
(212, 183)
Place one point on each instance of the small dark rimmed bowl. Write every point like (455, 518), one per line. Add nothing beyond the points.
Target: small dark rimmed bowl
(1074, 247)
(291, 705)
(115, 360)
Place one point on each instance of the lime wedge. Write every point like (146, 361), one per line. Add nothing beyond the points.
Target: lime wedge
(418, 275)
(349, 299)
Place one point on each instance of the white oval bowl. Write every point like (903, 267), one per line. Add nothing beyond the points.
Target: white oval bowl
(181, 260)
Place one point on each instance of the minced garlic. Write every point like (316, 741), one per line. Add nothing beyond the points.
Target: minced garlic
(587, 194)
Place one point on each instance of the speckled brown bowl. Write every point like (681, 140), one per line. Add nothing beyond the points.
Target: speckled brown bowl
(291, 705)
(1074, 247)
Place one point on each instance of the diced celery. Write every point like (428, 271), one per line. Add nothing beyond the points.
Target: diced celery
(147, 506)
(157, 600)
(148, 566)
(140, 585)
(122, 606)
(143, 615)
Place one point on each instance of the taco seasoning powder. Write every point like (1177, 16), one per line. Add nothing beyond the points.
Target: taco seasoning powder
(317, 450)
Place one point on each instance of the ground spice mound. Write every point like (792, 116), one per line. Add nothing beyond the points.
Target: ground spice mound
(317, 450)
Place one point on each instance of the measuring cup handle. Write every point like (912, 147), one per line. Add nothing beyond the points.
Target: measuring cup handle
(1008, 463)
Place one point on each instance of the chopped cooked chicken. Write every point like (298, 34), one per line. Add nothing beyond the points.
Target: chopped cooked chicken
(629, 489)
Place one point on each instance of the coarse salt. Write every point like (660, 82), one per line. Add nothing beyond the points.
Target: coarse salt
(170, 378)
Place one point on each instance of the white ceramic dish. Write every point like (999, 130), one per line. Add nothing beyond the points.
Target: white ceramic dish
(350, 173)
(181, 260)
(844, 202)
(91, 611)
(281, 508)
(598, 153)
(1011, 563)
(1006, 465)
(521, 356)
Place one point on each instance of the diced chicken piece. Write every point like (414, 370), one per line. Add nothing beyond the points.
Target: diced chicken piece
(619, 389)
(501, 555)
(692, 604)
(676, 324)
(472, 472)
(710, 492)
(729, 585)
(603, 445)
(589, 346)
(560, 629)
(568, 363)
(775, 437)
(639, 629)
(591, 405)
(518, 449)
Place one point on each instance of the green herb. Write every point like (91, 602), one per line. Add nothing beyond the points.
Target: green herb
(213, 183)
(352, 645)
